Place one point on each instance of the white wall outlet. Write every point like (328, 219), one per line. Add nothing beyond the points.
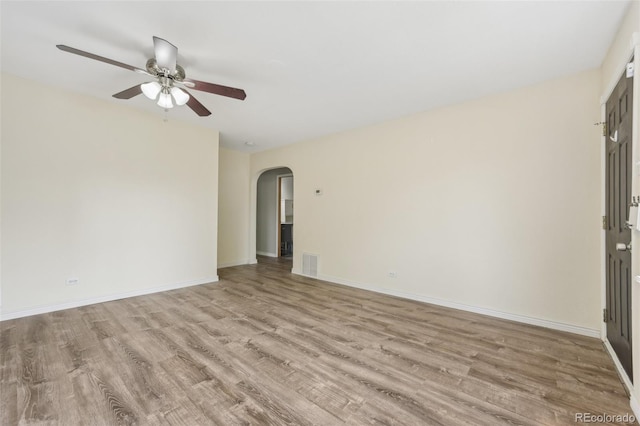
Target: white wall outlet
(73, 281)
(392, 274)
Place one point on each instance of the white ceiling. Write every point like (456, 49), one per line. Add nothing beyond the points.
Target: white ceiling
(310, 68)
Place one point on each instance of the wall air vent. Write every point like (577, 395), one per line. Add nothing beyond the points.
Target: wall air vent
(310, 265)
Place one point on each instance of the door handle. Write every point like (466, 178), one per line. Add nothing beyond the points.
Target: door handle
(623, 247)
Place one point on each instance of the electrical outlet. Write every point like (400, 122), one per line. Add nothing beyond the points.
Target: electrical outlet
(73, 281)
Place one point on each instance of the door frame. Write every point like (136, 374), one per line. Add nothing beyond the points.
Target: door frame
(253, 208)
(278, 217)
(633, 52)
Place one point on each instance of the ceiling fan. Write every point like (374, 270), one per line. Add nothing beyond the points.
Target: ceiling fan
(167, 76)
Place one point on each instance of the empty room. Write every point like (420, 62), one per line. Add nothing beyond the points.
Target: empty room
(319, 212)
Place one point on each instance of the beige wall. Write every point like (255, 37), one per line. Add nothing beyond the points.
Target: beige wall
(492, 204)
(628, 39)
(233, 208)
(92, 190)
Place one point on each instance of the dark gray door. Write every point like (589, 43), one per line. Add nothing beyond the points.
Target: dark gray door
(618, 235)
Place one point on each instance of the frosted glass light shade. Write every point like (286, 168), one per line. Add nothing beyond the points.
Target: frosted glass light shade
(164, 100)
(151, 89)
(180, 96)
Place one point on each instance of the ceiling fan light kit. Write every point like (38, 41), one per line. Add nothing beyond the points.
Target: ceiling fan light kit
(166, 95)
(151, 89)
(167, 72)
(164, 100)
(180, 96)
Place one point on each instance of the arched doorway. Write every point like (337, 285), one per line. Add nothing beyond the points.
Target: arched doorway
(274, 215)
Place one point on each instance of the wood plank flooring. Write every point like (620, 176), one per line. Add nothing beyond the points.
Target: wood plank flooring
(266, 347)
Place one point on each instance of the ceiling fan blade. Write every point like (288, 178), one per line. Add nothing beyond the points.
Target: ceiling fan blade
(100, 58)
(166, 54)
(217, 89)
(129, 93)
(196, 106)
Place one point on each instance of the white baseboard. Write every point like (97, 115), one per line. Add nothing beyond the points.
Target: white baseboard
(464, 307)
(233, 263)
(633, 398)
(266, 253)
(253, 261)
(84, 302)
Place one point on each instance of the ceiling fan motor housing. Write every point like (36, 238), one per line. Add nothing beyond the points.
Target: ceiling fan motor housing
(154, 69)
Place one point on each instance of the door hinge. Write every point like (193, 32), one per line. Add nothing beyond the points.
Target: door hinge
(604, 315)
(604, 127)
(604, 223)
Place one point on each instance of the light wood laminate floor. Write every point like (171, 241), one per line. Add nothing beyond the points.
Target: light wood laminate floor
(266, 347)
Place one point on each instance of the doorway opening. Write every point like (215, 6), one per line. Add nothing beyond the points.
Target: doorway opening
(275, 215)
(285, 215)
